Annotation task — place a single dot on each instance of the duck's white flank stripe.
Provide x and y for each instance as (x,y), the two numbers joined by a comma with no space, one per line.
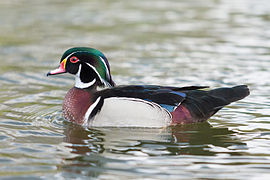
(130,112)
(89,111)
(153,104)
(79,83)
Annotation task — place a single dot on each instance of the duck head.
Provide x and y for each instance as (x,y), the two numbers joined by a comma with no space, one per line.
(90,67)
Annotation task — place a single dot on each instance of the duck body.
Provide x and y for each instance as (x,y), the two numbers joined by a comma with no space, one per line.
(133,105)
(146,106)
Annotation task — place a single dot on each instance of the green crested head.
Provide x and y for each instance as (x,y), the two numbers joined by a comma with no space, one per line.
(89,65)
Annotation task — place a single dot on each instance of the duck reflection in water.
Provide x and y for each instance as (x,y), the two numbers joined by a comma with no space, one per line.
(197,139)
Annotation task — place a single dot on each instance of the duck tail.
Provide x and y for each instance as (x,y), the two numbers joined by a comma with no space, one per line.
(230,95)
(201,105)
(216,99)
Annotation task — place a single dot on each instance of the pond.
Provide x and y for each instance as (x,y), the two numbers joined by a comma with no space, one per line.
(218,43)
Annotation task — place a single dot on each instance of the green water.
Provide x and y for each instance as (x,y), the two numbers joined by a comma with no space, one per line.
(211,42)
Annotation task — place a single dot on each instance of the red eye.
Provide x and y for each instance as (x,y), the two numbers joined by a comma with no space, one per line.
(74,59)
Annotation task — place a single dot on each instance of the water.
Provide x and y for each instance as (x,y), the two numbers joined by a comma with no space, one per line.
(211,42)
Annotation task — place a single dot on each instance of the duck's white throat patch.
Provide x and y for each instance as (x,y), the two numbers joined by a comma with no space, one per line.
(79,83)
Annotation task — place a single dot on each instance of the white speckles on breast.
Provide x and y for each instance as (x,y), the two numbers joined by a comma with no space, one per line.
(75,104)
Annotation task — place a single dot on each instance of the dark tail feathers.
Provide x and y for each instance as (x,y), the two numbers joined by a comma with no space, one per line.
(231,94)
(203,104)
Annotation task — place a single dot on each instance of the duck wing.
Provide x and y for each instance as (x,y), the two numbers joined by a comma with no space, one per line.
(166,96)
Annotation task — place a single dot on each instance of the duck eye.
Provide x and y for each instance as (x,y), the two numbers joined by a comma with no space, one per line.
(74,59)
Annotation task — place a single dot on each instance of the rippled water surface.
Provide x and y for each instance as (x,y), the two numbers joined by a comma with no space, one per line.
(210,42)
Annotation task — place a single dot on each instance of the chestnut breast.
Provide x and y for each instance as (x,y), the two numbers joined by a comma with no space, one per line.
(76,103)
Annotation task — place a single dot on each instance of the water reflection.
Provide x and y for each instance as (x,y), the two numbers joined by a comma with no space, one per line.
(203,139)
(83,141)
(89,144)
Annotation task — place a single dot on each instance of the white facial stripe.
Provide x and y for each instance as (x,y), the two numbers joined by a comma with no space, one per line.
(71,54)
(89,111)
(82,85)
(79,83)
(101,79)
(107,69)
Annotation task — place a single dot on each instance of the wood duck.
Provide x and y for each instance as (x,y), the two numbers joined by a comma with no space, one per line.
(133,105)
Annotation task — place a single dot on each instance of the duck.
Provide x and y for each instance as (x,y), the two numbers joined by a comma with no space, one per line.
(96,101)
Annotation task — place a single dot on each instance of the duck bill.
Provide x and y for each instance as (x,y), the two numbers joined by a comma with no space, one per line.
(61,69)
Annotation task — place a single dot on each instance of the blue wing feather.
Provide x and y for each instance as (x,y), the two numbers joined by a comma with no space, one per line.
(170,108)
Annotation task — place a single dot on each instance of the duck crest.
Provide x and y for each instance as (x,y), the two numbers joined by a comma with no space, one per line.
(93,60)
